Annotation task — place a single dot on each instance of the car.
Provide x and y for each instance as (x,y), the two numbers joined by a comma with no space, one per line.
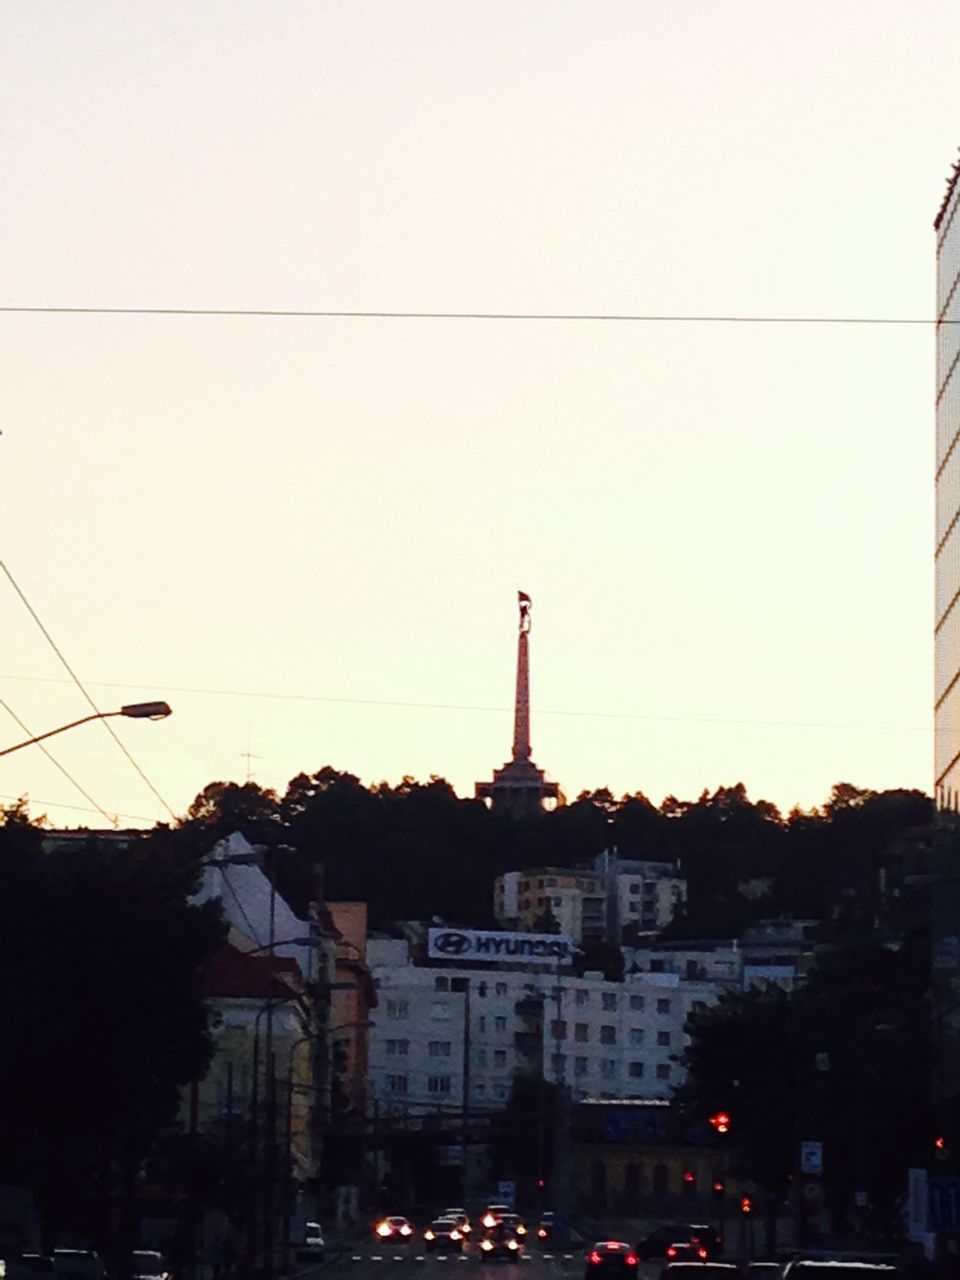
(686,1251)
(493,1212)
(459,1215)
(612,1256)
(547,1225)
(499,1242)
(78,1264)
(443,1233)
(656,1244)
(314,1246)
(842,1266)
(700,1271)
(394,1228)
(148,1264)
(514,1221)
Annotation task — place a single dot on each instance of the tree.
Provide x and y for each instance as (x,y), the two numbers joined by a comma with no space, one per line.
(101,1002)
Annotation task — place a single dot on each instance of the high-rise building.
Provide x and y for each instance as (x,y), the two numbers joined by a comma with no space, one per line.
(947,575)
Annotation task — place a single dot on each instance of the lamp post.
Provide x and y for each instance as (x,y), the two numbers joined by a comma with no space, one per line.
(134,711)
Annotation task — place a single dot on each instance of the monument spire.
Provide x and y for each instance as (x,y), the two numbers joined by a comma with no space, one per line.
(521,706)
(519,786)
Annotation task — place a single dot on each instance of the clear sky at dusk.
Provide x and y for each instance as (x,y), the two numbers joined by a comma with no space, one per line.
(307,534)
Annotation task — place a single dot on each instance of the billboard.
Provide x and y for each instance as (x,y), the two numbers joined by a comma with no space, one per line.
(489,944)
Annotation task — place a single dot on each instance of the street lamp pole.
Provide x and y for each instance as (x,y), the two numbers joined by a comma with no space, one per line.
(134,711)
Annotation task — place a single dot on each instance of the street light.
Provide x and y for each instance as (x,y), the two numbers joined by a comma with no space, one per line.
(134,711)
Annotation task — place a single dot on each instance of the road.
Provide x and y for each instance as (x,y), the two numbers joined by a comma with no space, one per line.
(410,1262)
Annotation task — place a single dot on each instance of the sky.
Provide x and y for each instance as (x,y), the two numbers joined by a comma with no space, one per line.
(306,533)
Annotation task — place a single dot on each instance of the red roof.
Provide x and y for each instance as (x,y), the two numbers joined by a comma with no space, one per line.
(233,973)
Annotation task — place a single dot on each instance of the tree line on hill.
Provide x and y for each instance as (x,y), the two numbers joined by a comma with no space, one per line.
(417,851)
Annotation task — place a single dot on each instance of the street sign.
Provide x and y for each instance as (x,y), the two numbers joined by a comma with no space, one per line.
(507,1193)
(944,1204)
(811,1157)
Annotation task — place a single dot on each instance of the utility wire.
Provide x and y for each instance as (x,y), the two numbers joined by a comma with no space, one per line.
(276,313)
(76,680)
(114,821)
(464,706)
(79,808)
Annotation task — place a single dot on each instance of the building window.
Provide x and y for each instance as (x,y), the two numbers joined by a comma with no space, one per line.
(636,1003)
(663,1005)
(559,1029)
(656,966)
(438,1084)
(557,993)
(398,1008)
(482,990)
(579,1066)
(608,1068)
(500,1087)
(634,888)
(581,1032)
(439,1011)
(481,1057)
(663,1071)
(558,1062)
(608,1035)
(634,907)
(501,988)
(636,1036)
(636,1070)
(582,997)
(500,1024)
(609,1000)
(439,1049)
(397,1048)
(441,984)
(482,1022)
(499,1057)
(663,1037)
(396,1084)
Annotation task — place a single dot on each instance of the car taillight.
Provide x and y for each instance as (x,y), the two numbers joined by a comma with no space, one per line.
(542,1232)
(454,1235)
(489,1220)
(428,1235)
(671,1252)
(701,1253)
(521,1230)
(512,1244)
(595,1258)
(486,1245)
(405,1230)
(632,1260)
(383,1229)
(466,1227)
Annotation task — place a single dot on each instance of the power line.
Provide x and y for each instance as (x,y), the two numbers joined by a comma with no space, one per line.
(76,680)
(475,707)
(53,760)
(274,313)
(78,808)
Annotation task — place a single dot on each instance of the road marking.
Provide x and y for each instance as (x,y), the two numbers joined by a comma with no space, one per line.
(418,1257)
(356,1257)
(398,1257)
(568,1257)
(376,1257)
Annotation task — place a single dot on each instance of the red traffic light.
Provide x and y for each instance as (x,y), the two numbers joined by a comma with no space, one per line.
(721,1122)
(719,1186)
(746,1205)
(689,1176)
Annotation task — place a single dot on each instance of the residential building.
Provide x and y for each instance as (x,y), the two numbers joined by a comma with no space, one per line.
(352,997)
(571,901)
(947,541)
(603,1039)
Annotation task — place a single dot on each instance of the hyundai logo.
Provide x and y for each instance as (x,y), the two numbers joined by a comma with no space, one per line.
(452,944)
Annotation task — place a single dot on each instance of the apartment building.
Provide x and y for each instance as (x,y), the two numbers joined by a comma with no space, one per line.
(444,1030)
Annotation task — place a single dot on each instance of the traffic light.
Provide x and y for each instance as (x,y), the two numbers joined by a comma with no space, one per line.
(721,1122)
(718,1188)
(541,1183)
(689,1177)
(746,1205)
(940,1147)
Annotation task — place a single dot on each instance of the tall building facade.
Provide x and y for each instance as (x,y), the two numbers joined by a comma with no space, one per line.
(947,564)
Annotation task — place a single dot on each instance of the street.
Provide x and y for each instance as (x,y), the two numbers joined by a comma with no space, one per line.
(372,1262)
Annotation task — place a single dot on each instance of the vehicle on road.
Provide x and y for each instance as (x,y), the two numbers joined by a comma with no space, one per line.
(313,1248)
(612,1257)
(78,1264)
(700,1271)
(499,1243)
(493,1212)
(686,1251)
(546,1225)
(393,1228)
(841,1267)
(459,1215)
(656,1244)
(443,1233)
(515,1222)
(148,1264)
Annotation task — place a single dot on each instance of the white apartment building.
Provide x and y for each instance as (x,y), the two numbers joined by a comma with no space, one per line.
(592,903)
(602,1039)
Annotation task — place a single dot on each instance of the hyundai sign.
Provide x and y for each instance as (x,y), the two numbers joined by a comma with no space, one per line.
(483,944)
